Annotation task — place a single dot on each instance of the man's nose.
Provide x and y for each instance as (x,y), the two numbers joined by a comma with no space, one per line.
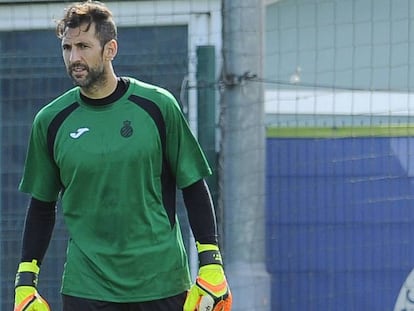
(74,55)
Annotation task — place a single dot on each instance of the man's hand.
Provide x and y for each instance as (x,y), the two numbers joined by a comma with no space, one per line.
(26,296)
(211,291)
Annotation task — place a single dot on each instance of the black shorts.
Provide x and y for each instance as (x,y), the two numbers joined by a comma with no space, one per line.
(174,303)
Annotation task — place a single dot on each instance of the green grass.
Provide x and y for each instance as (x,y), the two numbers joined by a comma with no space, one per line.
(338,132)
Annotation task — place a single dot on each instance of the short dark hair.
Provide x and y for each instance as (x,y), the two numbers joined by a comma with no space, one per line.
(87,13)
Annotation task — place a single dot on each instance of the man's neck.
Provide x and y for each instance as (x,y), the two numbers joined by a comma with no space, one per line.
(102,90)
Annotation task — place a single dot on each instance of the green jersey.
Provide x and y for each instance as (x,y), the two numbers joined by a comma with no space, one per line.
(115,167)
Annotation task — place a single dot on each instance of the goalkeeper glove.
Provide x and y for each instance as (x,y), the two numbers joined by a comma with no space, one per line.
(210,291)
(26,296)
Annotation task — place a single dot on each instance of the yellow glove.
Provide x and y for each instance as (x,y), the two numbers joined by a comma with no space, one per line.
(26,296)
(211,291)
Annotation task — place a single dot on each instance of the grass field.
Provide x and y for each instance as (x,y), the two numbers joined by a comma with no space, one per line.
(338,132)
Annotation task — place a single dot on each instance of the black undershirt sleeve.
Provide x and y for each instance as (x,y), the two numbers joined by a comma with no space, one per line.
(38,228)
(40,221)
(200,210)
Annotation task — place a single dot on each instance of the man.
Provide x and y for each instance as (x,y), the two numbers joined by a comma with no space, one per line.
(113,150)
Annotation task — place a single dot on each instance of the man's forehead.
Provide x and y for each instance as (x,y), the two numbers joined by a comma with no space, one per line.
(82,32)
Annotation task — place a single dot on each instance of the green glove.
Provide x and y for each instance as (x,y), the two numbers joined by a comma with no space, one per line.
(26,296)
(211,291)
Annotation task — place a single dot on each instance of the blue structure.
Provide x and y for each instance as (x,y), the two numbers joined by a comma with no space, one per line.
(340,222)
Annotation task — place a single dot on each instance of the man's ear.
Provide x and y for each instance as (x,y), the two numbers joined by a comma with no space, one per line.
(110,50)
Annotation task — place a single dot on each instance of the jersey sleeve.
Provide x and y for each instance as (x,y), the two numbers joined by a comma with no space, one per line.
(185,156)
(40,175)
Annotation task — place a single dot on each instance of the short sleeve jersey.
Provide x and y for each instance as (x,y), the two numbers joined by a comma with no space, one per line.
(115,168)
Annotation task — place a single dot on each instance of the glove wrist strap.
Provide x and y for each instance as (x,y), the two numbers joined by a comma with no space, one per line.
(209,257)
(26,279)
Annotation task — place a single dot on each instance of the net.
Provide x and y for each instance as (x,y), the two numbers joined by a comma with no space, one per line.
(339,153)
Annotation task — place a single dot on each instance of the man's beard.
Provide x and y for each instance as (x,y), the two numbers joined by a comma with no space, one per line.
(94,78)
